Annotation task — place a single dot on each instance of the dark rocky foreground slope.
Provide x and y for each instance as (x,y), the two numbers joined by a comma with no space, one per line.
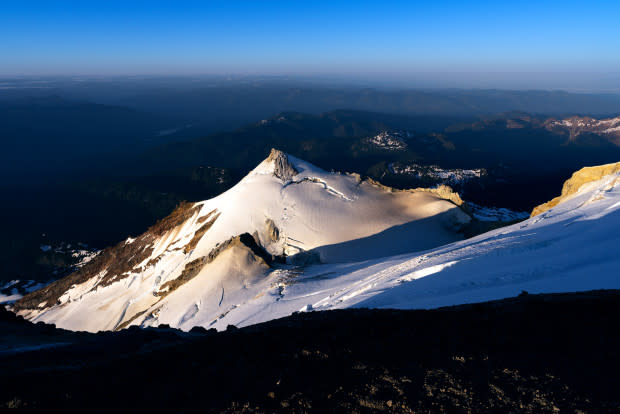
(534,353)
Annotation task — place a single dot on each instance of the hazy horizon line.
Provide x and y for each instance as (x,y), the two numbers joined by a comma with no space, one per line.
(567,81)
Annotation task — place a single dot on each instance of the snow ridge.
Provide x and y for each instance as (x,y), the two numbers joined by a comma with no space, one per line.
(340,242)
(292,211)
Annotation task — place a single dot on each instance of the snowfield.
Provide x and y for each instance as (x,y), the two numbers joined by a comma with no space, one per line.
(353,226)
(572,247)
(569,248)
(197,273)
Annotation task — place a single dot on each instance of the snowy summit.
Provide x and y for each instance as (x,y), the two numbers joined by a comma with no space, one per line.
(207,259)
(290,237)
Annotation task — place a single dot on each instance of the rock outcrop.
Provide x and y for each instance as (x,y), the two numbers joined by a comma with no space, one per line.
(283,168)
(573,184)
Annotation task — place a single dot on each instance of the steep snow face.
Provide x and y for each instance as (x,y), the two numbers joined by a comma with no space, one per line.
(204,261)
(320,212)
(568,248)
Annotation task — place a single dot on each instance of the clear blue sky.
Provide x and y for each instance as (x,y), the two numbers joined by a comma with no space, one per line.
(279,37)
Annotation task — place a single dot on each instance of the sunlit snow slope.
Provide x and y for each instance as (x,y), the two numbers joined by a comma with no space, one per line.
(571,247)
(234,257)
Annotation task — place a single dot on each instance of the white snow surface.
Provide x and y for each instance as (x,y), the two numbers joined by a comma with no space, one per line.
(572,247)
(337,217)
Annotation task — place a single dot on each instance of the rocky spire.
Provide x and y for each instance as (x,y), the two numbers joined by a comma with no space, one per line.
(283,168)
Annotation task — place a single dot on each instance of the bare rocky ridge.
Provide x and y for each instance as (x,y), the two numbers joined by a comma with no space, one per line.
(573,184)
(444,191)
(578,125)
(111,264)
(201,231)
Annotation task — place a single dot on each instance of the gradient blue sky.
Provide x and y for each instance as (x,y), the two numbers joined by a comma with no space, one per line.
(294,37)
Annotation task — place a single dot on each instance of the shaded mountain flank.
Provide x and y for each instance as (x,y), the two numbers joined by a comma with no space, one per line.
(532,353)
(578,179)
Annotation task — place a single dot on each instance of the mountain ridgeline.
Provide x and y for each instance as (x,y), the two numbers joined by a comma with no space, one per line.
(209,254)
(291,237)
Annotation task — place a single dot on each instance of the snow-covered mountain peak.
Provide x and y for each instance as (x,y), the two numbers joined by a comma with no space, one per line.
(208,255)
(347,242)
(291,236)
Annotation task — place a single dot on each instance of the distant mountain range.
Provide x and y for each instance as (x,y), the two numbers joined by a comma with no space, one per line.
(514,148)
(512,160)
(225,103)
